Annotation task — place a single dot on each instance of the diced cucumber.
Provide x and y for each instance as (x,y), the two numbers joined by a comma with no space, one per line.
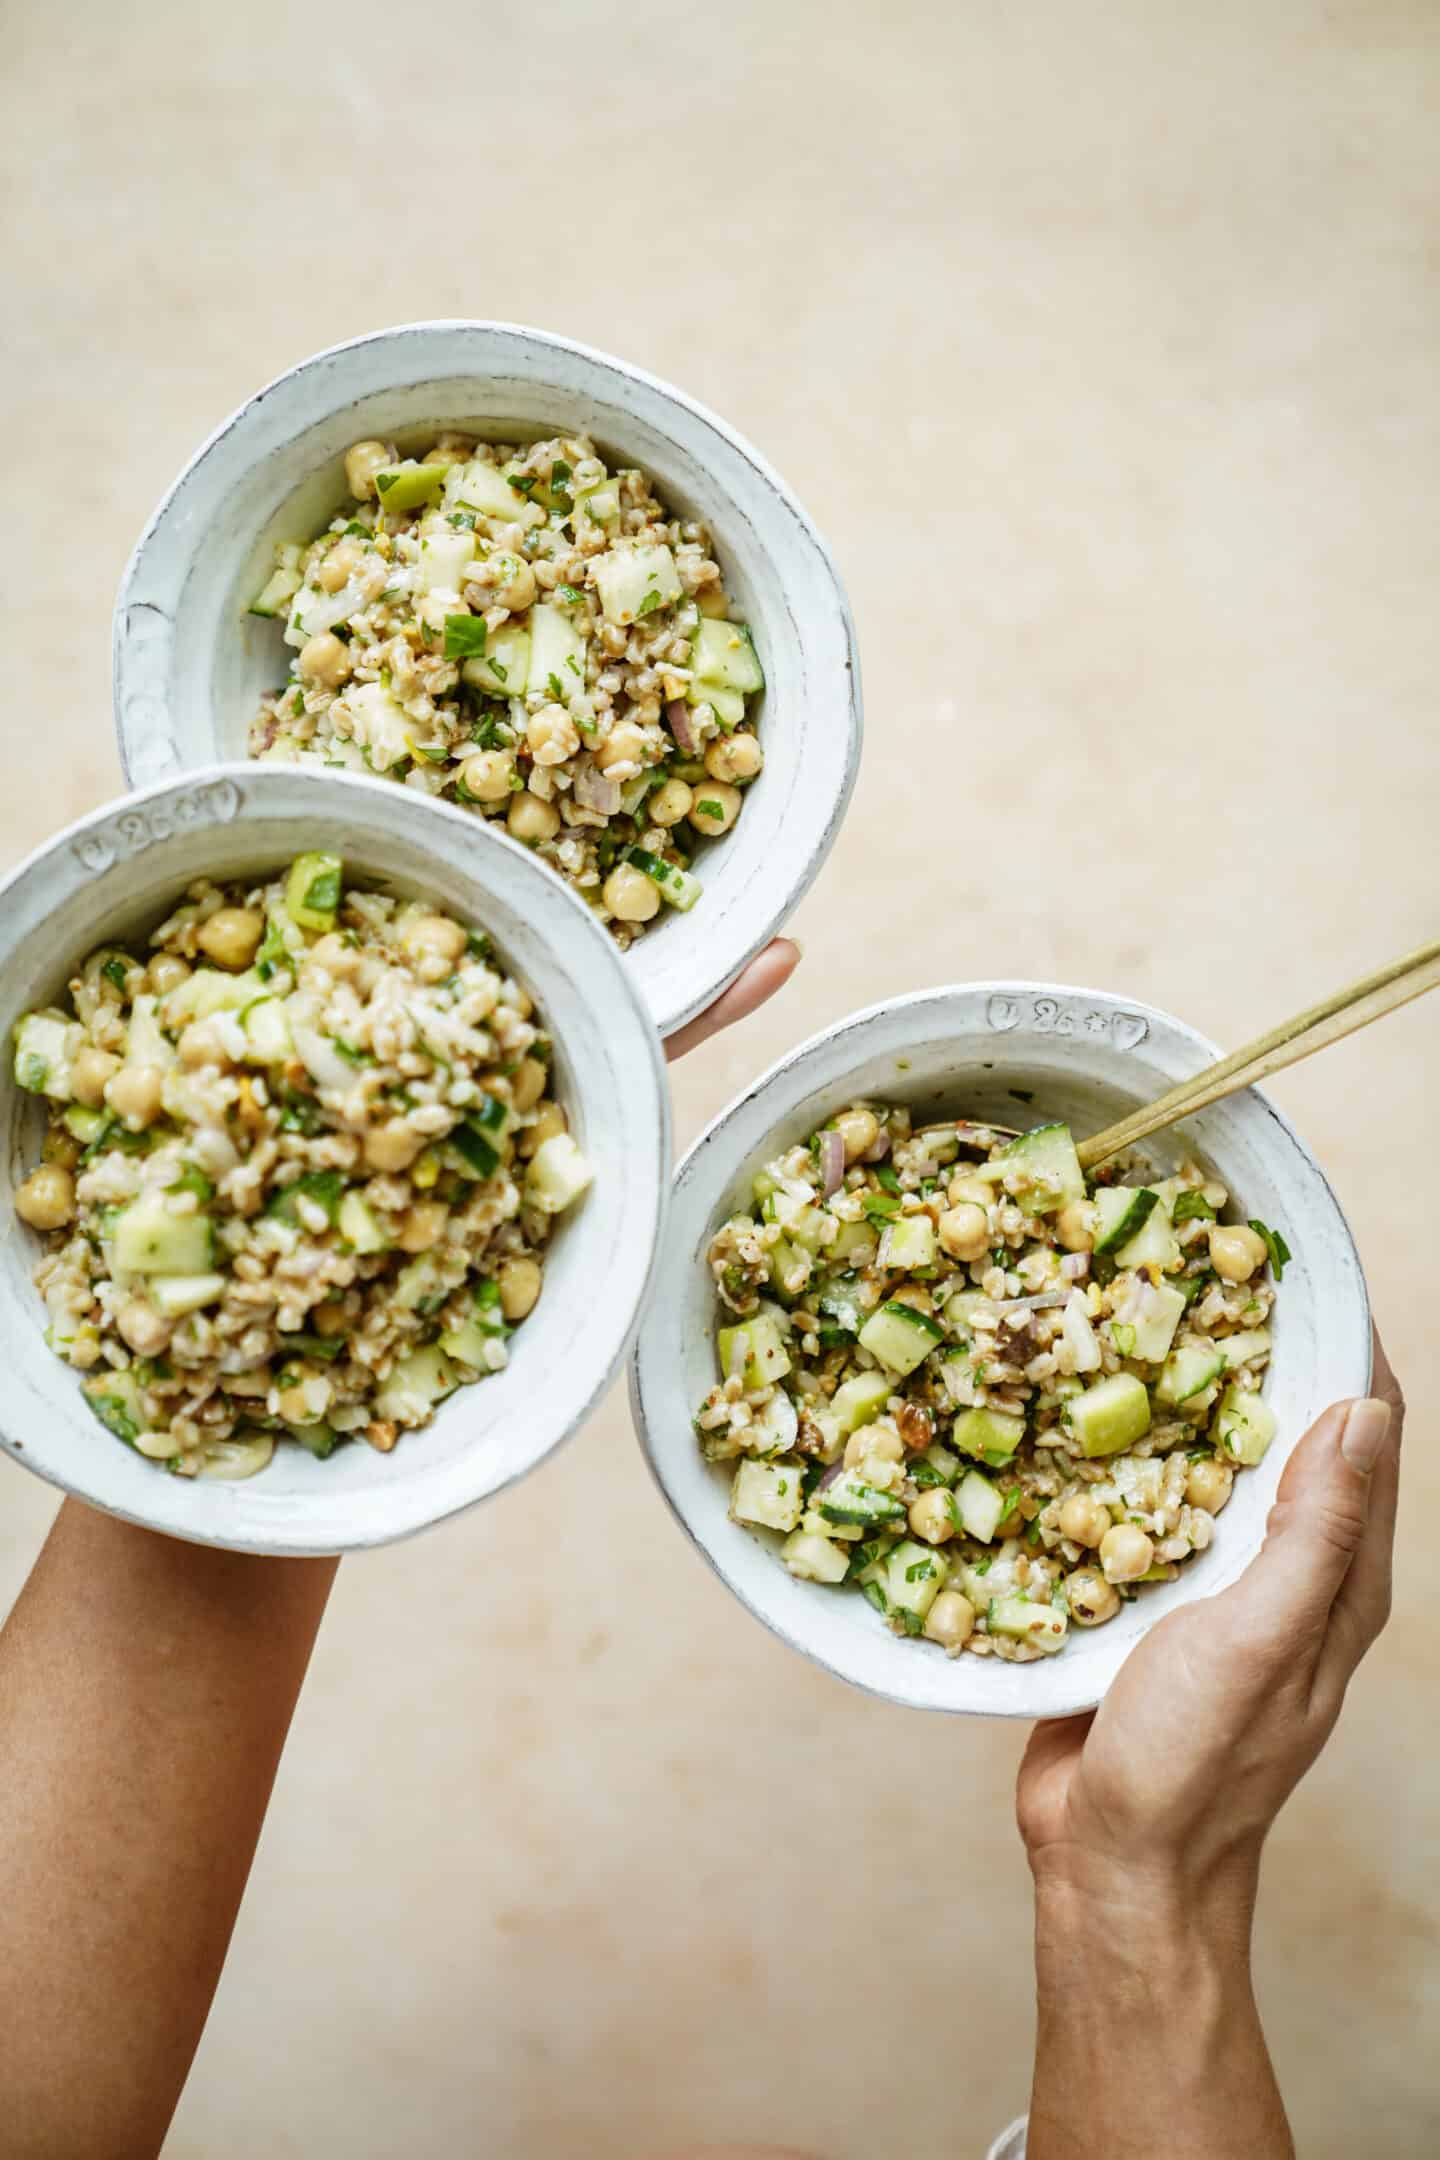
(1157,1315)
(680,887)
(1110,1415)
(909,1242)
(473,1341)
(855,1242)
(1048,1166)
(853,1499)
(380,724)
(771,1495)
(483,488)
(407,485)
(423,1283)
(557,651)
(1192,1369)
(416,1384)
(960,1309)
(635,580)
(1027,1620)
(476,1156)
(115,1399)
(282,584)
(914,1575)
(558,1174)
(150,1240)
(789,1267)
(807,1228)
(45,1047)
(980,1506)
(358,1226)
(317,1440)
(324,1189)
(1154,1244)
(445,557)
(268,1040)
(723,655)
(210,990)
(177,1294)
(1121,1210)
(312,891)
(899,1336)
(84,1125)
(503,669)
(1247,1346)
(990,1436)
(937,1464)
(728,706)
(243,1457)
(766,1358)
(774,1427)
(600,502)
(1245,1425)
(859,1400)
(812,1558)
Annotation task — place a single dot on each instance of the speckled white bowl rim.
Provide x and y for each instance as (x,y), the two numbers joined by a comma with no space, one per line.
(138,854)
(1028,1028)
(165,707)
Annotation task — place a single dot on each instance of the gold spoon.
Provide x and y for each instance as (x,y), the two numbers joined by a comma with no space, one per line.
(1369,999)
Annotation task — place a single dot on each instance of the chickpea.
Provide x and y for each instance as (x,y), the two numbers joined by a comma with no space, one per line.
(166,972)
(330,1317)
(325,660)
(1236,1251)
(734,757)
(60,1147)
(337,569)
(1126,1553)
(511,582)
(715,808)
(198,1045)
(1075,1225)
(332,953)
(669,803)
(932,1516)
(711,600)
(965,1186)
(46,1200)
(531,820)
(231,936)
(550,1119)
(519,1284)
(1209,1485)
(89,1073)
(133,1093)
(424,1226)
(859,1130)
(433,936)
(879,1442)
(1084,1520)
(362,461)
(552,735)
(527,1084)
(1092,1600)
(629,895)
(143,1328)
(626,744)
(965,1231)
(392,1147)
(950,1620)
(488,774)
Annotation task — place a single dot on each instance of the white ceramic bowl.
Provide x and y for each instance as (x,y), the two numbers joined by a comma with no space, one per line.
(1086,1057)
(119,872)
(190,665)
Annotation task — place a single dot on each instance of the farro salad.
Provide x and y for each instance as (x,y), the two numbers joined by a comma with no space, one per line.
(994,1397)
(522,631)
(302,1163)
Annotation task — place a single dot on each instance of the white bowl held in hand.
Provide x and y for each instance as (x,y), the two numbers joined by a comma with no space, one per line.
(1020,1054)
(190,665)
(114,876)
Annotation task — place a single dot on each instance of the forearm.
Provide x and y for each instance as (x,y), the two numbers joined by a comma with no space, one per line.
(1149,2039)
(146,1688)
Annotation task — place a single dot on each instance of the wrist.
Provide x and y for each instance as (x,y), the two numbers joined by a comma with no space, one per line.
(1146,1919)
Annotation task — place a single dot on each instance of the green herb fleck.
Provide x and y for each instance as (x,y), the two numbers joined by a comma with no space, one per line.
(464,637)
(1275,1245)
(1191,1206)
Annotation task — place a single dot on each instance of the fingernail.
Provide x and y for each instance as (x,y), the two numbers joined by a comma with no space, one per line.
(1364,1434)
(799,948)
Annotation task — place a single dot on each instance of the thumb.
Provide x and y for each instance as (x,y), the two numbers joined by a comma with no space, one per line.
(1315,1527)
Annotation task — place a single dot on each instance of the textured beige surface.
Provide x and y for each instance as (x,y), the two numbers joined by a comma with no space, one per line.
(1101,341)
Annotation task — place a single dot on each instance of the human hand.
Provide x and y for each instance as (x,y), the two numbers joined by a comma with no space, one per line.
(1172,1784)
(768,972)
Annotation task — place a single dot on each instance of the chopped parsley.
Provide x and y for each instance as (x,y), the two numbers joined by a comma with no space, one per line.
(193,1179)
(1275,1246)
(114,972)
(885,1176)
(465,637)
(708,807)
(568,595)
(650,602)
(1192,1207)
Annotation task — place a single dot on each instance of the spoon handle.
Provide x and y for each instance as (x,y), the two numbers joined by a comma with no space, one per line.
(1314,1029)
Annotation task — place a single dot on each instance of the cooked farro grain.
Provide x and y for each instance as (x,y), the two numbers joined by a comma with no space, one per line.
(301,1167)
(909,1306)
(521,631)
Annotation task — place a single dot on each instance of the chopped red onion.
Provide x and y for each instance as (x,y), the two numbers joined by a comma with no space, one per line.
(682,726)
(832,1163)
(830,1475)
(878,1149)
(1032,1304)
(1075,1266)
(596,791)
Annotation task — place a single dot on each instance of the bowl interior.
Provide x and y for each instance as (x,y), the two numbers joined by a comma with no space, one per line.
(191,664)
(117,876)
(1076,1055)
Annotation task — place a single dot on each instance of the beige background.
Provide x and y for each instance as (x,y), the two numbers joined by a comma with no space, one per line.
(1102,344)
